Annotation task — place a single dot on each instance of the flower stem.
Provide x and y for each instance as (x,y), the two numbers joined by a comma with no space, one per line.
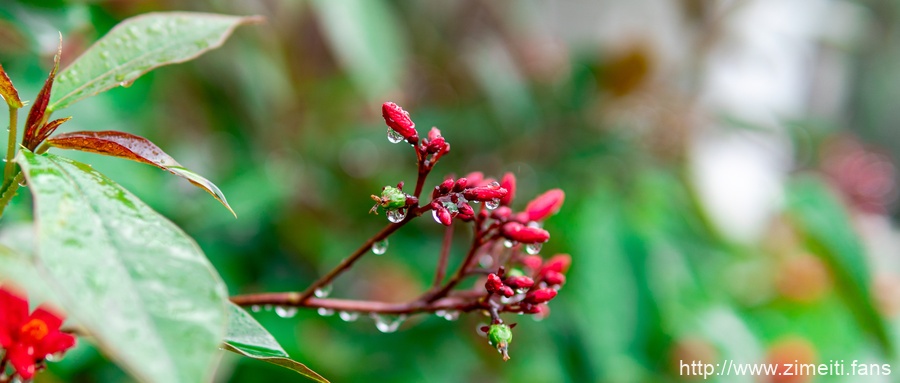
(11,143)
(462,301)
(441,271)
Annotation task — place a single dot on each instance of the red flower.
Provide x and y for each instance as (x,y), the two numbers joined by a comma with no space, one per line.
(508,182)
(519,282)
(540,296)
(545,205)
(398,119)
(559,263)
(554,278)
(493,284)
(28,339)
(484,193)
(518,232)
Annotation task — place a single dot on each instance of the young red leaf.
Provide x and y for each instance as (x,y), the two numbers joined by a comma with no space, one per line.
(135,148)
(39,108)
(8,91)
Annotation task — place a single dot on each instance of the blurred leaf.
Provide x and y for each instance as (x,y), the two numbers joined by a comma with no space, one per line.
(366,39)
(17,267)
(135,148)
(8,91)
(247,337)
(134,280)
(821,218)
(138,45)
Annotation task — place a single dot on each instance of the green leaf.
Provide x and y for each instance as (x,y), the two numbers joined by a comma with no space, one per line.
(248,338)
(825,224)
(135,148)
(137,283)
(138,45)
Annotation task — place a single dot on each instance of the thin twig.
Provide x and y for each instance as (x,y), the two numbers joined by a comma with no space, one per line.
(441,271)
(11,143)
(462,301)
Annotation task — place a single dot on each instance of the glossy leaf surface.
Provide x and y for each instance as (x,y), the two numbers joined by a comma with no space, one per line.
(248,338)
(135,148)
(136,46)
(138,284)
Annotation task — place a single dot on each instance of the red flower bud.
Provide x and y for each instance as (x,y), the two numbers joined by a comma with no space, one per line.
(508,182)
(444,216)
(493,284)
(545,205)
(523,234)
(540,295)
(398,119)
(501,213)
(532,262)
(475,178)
(460,184)
(434,133)
(519,282)
(554,278)
(445,186)
(484,193)
(507,291)
(466,209)
(435,146)
(559,263)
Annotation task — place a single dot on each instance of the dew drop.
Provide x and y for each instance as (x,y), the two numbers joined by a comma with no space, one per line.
(380,247)
(267,307)
(508,243)
(486,260)
(494,184)
(348,316)
(434,214)
(478,330)
(396,215)
(285,312)
(325,312)
(535,224)
(533,248)
(55,357)
(451,315)
(324,291)
(388,323)
(492,204)
(255,308)
(393,136)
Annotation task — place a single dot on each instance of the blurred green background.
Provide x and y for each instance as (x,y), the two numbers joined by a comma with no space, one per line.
(727,167)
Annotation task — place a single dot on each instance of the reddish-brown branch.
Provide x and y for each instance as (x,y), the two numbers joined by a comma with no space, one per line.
(461,301)
(461,273)
(441,271)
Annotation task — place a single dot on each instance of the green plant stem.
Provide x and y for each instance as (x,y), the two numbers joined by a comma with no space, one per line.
(11,143)
(9,190)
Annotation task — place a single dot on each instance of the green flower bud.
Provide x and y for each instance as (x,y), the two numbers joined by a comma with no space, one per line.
(499,335)
(392,198)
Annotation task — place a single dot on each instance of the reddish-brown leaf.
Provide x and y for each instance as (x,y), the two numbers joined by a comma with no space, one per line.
(8,91)
(39,108)
(135,148)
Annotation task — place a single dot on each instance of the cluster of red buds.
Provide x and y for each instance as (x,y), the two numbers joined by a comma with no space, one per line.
(505,246)
(28,340)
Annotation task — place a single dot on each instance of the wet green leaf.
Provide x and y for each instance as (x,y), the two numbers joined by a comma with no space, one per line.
(135,148)
(138,45)
(138,284)
(248,338)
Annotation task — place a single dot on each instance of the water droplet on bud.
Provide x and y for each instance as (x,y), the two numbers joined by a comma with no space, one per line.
(393,136)
(255,308)
(324,291)
(285,312)
(533,248)
(451,315)
(434,214)
(396,215)
(380,247)
(388,323)
(348,316)
(492,204)
(507,243)
(267,307)
(325,312)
